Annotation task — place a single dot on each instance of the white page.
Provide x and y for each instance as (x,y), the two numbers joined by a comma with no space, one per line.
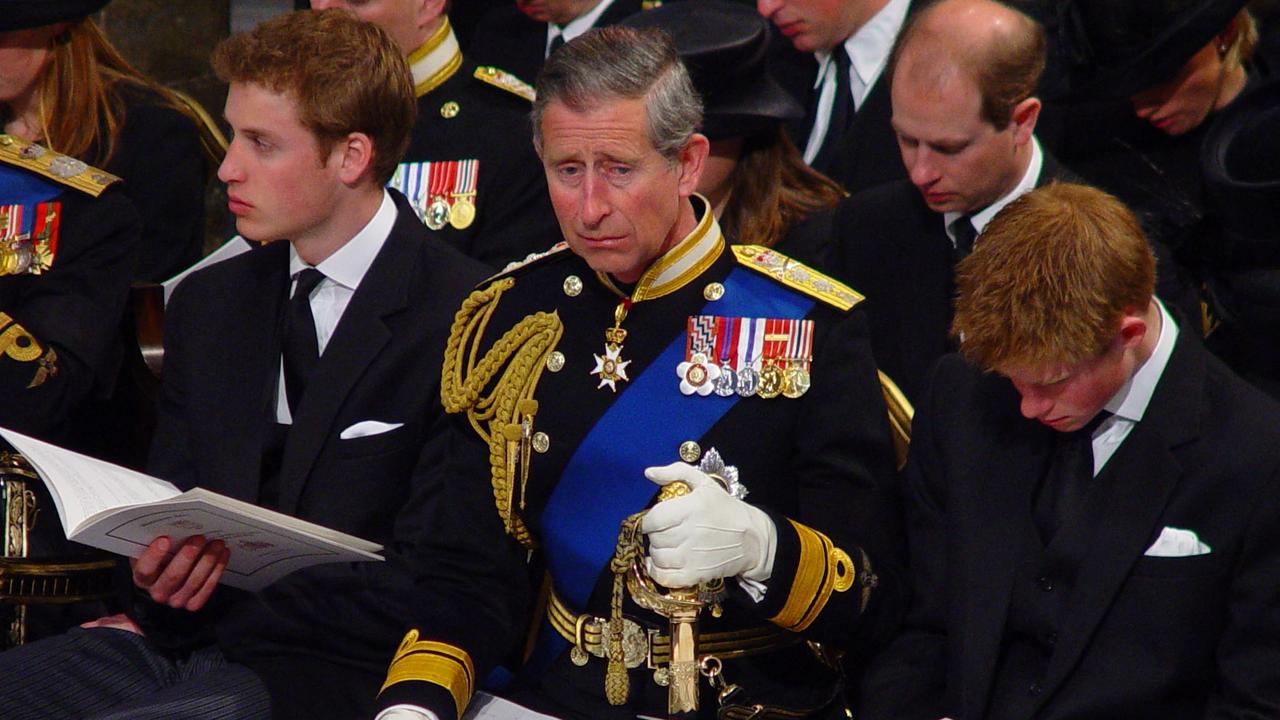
(82,486)
(490,707)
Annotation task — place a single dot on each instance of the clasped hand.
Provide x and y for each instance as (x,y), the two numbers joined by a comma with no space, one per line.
(707,534)
(184,577)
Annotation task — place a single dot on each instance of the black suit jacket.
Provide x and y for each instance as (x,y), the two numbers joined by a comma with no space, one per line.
(896,251)
(868,154)
(1141,636)
(332,628)
(517,43)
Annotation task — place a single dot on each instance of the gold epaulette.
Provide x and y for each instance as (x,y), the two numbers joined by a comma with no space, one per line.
(496,390)
(529,259)
(437,663)
(797,276)
(54,166)
(650,4)
(505,80)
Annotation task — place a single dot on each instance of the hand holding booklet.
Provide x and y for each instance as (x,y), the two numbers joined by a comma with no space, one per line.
(121,511)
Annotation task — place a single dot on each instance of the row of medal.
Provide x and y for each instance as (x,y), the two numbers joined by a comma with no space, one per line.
(28,238)
(442,192)
(762,357)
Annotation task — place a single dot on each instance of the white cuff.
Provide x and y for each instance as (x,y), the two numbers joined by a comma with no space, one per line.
(406,712)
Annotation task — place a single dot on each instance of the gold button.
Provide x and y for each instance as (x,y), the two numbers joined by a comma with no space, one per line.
(713,291)
(555,361)
(690,451)
(449,110)
(541,442)
(572,285)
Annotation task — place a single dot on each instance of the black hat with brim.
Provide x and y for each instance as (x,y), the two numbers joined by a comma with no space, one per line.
(1115,48)
(725,47)
(22,14)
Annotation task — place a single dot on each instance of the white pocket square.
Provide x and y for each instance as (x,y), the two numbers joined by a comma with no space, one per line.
(365,428)
(1176,542)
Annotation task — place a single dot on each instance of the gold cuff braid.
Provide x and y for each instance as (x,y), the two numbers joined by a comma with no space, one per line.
(437,663)
(823,569)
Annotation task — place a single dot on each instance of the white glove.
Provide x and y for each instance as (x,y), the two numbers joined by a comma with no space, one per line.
(406,712)
(707,534)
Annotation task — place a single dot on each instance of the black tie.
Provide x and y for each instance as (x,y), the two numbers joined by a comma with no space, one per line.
(842,112)
(1063,489)
(965,233)
(301,350)
(556,42)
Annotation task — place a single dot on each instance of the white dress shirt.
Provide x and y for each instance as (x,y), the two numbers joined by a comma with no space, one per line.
(868,50)
(343,271)
(1130,402)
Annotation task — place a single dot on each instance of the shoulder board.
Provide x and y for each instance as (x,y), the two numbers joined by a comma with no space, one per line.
(650,4)
(504,80)
(797,276)
(529,259)
(54,166)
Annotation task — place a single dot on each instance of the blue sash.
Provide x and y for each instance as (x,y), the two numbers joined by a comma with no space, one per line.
(604,481)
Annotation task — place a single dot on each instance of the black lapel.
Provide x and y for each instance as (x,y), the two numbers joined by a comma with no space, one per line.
(1144,470)
(359,337)
(244,410)
(1001,482)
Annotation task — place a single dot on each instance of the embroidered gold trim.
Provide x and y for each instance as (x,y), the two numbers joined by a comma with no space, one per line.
(797,276)
(54,166)
(504,80)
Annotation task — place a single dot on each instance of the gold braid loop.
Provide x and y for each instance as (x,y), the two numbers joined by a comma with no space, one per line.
(625,553)
(502,416)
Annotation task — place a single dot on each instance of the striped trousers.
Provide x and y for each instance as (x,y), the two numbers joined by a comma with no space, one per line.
(111,674)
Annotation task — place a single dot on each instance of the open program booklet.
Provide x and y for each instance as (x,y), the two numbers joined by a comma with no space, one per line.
(121,511)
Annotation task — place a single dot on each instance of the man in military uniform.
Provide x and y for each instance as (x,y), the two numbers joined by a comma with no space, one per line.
(644,352)
(470,170)
(65,262)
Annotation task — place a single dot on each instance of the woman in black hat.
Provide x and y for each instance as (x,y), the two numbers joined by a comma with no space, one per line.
(756,180)
(62,84)
(1148,77)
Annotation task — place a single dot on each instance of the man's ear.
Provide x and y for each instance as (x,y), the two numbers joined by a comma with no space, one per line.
(1133,328)
(356,155)
(1025,115)
(692,159)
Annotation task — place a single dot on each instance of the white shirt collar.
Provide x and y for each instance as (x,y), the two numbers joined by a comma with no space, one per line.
(1131,400)
(348,264)
(1028,183)
(576,26)
(868,48)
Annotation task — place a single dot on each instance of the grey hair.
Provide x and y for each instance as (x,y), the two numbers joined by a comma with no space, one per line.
(622,63)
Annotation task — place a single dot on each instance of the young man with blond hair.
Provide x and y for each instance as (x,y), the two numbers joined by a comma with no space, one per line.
(1093,501)
(302,376)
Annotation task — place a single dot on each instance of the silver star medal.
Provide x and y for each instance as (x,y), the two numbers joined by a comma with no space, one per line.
(727,475)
